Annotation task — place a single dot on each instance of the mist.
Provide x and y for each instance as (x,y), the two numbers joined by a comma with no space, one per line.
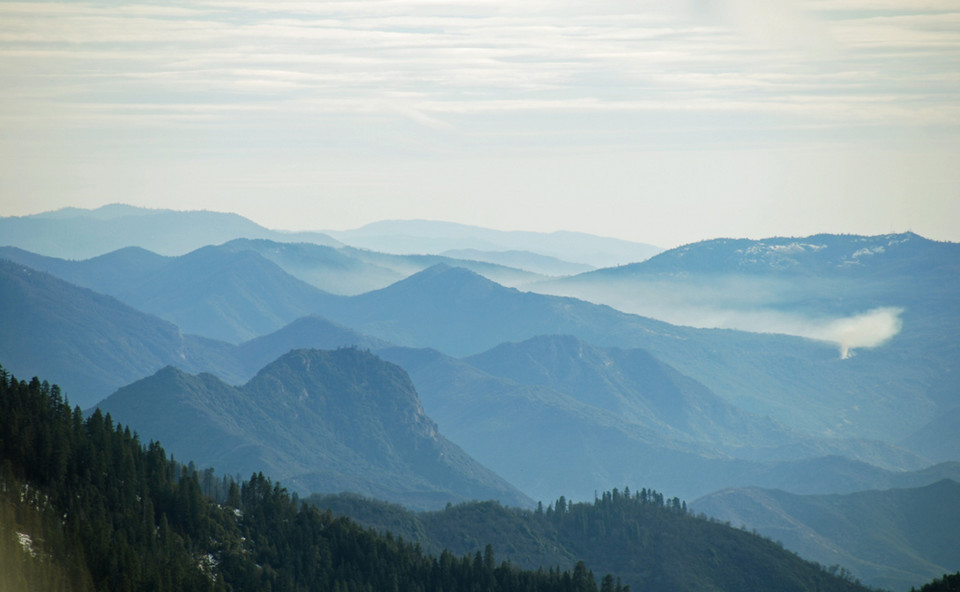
(757,305)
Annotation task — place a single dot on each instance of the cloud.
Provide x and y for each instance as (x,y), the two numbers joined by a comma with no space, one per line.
(615,56)
(624,81)
(783,24)
(869,329)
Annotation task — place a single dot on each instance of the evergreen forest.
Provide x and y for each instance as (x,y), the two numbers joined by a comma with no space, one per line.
(85,506)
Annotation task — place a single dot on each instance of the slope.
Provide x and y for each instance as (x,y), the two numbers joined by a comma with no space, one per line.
(650,542)
(875,395)
(898,294)
(632,384)
(892,539)
(224,294)
(319,420)
(545,441)
(86,506)
(87,342)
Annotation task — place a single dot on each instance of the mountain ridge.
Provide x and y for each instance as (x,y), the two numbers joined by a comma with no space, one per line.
(319,420)
(894,538)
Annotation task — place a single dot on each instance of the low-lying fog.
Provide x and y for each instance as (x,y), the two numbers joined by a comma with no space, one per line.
(746,304)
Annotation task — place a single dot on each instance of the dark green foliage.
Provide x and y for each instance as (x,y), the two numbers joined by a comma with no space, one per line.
(648,539)
(100,511)
(948,583)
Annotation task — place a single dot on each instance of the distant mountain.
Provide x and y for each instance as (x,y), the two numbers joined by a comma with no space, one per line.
(939,440)
(310,332)
(816,275)
(74,233)
(350,271)
(93,344)
(632,384)
(875,394)
(432,237)
(462,313)
(542,264)
(536,437)
(220,293)
(87,342)
(893,539)
(331,421)
(899,294)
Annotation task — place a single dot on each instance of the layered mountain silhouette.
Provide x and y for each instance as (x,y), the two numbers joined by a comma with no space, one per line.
(349,271)
(719,281)
(341,420)
(630,383)
(537,436)
(92,344)
(541,264)
(458,311)
(75,233)
(872,395)
(87,342)
(219,293)
(428,236)
(839,378)
(891,539)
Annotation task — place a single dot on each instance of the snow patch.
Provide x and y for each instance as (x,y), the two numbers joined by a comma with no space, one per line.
(26,543)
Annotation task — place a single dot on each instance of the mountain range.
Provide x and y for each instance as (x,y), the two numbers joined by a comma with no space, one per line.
(429,236)
(341,420)
(84,502)
(535,435)
(844,382)
(75,233)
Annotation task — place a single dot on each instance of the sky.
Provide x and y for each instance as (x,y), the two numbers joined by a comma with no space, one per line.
(657,121)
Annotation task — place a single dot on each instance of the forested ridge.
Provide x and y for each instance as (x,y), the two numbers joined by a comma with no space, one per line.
(948,583)
(650,541)
(84,506)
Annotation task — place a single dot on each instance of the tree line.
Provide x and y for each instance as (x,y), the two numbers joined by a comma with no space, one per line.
(85,506)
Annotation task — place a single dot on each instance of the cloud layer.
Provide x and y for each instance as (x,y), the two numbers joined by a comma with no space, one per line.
(391,84)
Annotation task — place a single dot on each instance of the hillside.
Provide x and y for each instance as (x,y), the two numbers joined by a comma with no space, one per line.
(882,394)
(85,506)
(215,292)
(330,421)
(309,332)
(536,437)
(88,342)
(886,393)
(632,384)
(650,542)
(804,286)
(893,539)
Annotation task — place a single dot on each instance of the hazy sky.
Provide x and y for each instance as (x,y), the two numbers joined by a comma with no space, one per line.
(657,121)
